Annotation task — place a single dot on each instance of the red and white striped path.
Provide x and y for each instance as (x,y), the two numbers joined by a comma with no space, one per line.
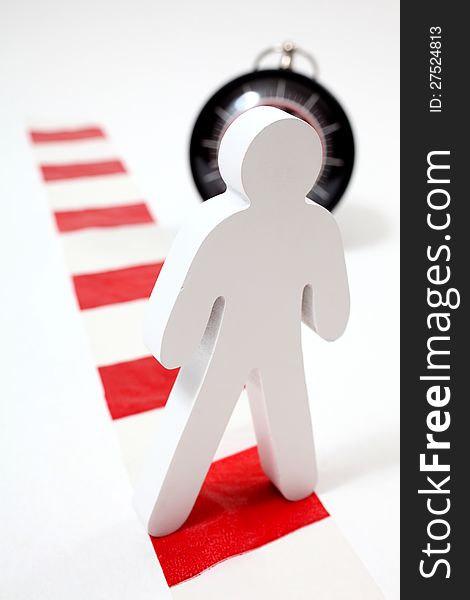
(242,540)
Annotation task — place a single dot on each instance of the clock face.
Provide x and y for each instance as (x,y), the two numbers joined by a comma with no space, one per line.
(292,92)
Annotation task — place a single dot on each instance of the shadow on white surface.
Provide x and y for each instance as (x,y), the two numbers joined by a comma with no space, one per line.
(361,225)
(377,453)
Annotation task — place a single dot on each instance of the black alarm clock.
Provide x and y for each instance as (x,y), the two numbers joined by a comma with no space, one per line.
(291,91)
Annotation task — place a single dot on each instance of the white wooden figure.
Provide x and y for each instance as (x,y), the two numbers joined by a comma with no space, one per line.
(227,306)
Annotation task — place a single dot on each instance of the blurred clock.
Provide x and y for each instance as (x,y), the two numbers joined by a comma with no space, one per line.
(292,92)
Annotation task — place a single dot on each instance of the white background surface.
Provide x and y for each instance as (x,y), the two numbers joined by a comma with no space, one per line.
(143,69)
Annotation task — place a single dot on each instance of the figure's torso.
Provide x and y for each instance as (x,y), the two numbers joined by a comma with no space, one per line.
(260,263)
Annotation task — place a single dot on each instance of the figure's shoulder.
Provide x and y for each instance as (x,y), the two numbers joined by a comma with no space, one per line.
(217,211)
(224,205)
(213,215)
(319,217)
(315,208)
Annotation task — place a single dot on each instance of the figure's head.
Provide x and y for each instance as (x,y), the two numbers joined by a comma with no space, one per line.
(267,155)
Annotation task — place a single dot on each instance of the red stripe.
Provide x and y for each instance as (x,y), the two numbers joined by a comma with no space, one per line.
(120,285)
(72,220)
(66,135)
(238,510)
(72,171)
(136,386)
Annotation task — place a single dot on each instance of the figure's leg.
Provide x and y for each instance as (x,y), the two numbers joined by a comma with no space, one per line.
(281,415)
(193,423)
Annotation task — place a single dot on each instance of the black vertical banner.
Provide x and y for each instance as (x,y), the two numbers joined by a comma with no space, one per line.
(435,259)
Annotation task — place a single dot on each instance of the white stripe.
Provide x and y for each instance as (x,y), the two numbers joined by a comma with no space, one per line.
(92,192)
(59,153)
(137,432)
(135,435)
(115,332)
(44,123)
(312,562)
(94,250)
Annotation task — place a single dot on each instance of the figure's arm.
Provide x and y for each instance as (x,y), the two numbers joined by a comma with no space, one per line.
(189,283)
(325,306)
(180,305)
